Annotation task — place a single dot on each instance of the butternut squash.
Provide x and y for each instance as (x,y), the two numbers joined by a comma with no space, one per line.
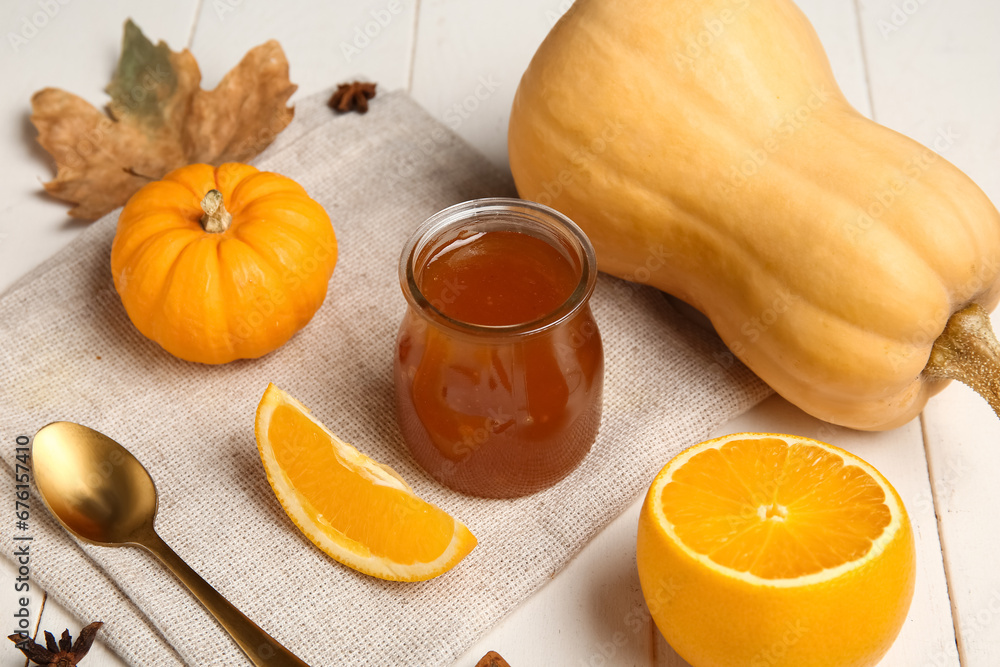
(828,251)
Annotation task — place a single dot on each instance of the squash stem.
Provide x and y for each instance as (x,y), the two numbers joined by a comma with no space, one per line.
(216,219)
(967,350)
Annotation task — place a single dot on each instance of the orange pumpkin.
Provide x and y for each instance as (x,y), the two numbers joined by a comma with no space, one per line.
(222,263)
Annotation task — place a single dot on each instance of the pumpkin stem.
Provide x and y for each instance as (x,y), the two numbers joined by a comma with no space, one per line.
(216,219)
(967,350)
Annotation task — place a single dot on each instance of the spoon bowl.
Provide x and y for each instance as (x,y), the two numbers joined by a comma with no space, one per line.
(102,494)
(93,486)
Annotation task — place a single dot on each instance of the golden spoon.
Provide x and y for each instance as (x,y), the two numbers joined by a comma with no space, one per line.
(102,494)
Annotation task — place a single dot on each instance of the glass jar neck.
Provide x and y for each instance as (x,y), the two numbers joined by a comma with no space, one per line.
(478,216)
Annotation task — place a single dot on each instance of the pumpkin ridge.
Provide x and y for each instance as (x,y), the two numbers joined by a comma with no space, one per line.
(303,211)
(273,263)
(705,222)
(153,196)
(922,185)
(754,258)
(159,322)
(162,222)
(248,190)
(277,223)
(696,213)
(900,232)
(190,175)
(782,164)
(227,312)
(278,228)
(237,250)
(227,177)
(803,376)
(136,258)
(214,309)
(800,377)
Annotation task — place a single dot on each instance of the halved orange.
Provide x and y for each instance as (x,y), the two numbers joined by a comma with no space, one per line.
(358,511)
(768,549)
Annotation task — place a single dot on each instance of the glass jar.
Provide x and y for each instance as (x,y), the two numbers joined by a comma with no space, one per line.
(492,404)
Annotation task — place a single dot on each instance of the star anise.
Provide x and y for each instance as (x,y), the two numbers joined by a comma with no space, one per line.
(352,96)
(492,659)
(64,653)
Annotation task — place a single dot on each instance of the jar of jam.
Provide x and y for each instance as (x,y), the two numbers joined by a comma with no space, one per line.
(499,365)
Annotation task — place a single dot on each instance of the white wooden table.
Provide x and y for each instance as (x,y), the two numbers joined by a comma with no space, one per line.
(919,66)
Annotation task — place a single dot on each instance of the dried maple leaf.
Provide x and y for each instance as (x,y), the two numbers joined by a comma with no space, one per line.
(64,653)
(158,119)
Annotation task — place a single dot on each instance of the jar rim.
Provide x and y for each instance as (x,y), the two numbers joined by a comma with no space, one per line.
(508,209)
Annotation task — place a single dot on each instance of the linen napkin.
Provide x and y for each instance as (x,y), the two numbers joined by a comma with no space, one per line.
(69,352)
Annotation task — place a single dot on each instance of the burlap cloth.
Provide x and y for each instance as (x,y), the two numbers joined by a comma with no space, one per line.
(68,352)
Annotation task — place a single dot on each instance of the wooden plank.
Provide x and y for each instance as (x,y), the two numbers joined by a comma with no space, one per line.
(71,46)
(935,68)
(326,42)
(468,60)
(962,437)
(591,614)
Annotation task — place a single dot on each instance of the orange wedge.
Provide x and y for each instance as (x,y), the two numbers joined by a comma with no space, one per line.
(358,511)
(765,549)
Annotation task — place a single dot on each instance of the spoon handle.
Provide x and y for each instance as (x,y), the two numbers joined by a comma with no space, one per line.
(262,649)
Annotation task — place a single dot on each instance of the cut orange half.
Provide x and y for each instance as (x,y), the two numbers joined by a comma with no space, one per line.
(358,511)
(767,549)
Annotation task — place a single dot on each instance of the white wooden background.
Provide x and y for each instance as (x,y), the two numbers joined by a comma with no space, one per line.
(919,66)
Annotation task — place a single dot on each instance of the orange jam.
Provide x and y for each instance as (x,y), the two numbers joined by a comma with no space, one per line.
(498,278)
(499,363)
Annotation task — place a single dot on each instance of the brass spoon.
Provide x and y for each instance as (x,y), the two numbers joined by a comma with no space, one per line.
(102,494)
